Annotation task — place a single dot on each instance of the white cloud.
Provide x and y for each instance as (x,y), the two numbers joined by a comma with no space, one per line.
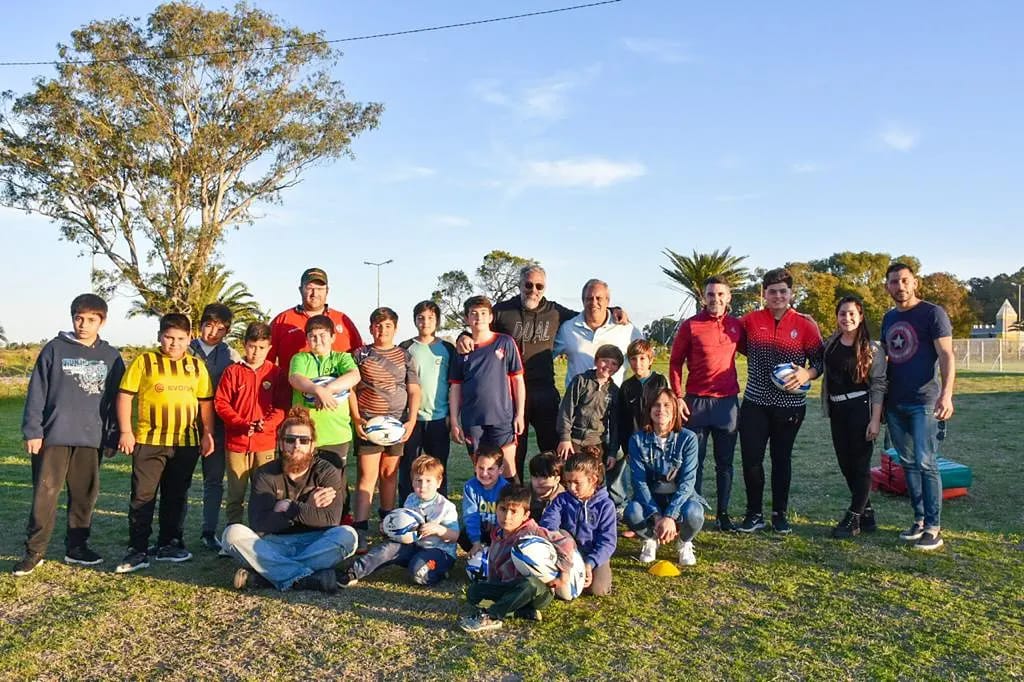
(899,137)
(450,220)
(593,172)
(545,99)
(806,167)
(667,51)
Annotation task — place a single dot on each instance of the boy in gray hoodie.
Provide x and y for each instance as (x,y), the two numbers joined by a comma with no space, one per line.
(69,417)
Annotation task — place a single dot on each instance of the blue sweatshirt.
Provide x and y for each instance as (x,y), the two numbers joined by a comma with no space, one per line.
(591,522)
(71,394)
(479,508)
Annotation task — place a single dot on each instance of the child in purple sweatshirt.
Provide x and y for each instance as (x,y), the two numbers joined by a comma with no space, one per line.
(587,512)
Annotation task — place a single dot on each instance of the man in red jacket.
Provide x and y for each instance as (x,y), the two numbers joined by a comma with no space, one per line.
(288,329)
(248,401)
(707,344)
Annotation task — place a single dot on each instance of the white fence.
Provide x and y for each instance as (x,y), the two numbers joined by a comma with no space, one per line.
(989,355)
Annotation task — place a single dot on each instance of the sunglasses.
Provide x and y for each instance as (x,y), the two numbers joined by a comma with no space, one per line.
(530,286)
(301,440)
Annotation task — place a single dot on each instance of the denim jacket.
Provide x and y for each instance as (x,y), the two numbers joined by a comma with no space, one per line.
(652,465)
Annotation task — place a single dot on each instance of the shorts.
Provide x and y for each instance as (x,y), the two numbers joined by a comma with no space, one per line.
(489,436)
(365,447)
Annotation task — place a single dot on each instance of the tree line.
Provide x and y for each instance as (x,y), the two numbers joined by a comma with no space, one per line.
(818,285)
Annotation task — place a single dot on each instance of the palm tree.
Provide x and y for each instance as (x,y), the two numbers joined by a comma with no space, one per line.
(213,287)
(688,273)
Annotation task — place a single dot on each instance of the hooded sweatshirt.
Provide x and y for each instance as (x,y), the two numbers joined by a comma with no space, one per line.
(591,522)
(501,568)
(72,392)
(244,395)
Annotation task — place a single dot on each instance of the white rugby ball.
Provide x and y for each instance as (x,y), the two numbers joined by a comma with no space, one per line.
(310,398)
(476,566)
(781,373)
(572,585)
(535,557)
(382,430)
(403,525)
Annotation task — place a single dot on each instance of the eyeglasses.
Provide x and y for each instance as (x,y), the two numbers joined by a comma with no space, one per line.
(311,289)
(530,286)
(301,440)
(941,433)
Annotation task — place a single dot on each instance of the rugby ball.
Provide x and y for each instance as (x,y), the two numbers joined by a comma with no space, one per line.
(383,430)
(476,566)
(535,557)
(781,373)
(403,525)
(572,584)
(310,398)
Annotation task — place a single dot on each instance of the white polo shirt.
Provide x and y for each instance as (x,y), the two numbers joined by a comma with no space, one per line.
(579,343)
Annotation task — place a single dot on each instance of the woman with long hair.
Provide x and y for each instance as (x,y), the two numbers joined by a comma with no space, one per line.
(663,466)
(851,397)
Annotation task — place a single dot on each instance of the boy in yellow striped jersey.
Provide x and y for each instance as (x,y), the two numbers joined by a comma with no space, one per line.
(174,393)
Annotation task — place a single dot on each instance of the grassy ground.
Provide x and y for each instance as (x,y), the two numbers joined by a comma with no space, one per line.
(754,607)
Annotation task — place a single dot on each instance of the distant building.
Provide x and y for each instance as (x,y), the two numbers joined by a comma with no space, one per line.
(1005,318)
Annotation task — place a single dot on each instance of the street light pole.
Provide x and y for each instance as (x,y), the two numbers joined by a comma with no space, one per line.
(378,266)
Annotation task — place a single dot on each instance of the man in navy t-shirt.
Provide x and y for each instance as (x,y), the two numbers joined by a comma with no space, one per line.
(917,334)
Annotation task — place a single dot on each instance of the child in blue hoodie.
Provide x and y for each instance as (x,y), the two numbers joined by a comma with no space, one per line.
(480,500)
(587,512)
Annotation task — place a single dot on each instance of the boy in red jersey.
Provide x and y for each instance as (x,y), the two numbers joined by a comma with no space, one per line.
(775,334)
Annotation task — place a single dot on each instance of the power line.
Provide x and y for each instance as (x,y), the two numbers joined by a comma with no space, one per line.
(372,36)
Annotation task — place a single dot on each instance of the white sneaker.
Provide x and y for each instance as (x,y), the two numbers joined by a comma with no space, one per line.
(686,555)
(649,551)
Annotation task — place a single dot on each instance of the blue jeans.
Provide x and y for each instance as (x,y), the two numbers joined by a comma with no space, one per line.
(284,559)
(426,566)
(689,523)
(618,483)
(913,429)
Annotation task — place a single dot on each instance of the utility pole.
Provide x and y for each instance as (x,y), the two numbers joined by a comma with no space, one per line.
(378,266)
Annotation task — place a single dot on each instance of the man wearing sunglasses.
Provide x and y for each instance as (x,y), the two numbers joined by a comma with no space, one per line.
(533,321)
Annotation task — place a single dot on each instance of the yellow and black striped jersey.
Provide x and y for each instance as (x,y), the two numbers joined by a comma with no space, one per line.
(169,392)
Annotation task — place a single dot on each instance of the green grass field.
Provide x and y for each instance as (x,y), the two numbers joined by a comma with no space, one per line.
(802,607)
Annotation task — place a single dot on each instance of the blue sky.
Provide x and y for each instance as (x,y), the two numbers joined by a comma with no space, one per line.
(591,140)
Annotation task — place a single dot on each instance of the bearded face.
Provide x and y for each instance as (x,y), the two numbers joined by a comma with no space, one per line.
(297,448)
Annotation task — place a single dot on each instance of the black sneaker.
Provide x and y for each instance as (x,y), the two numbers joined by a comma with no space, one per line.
(930,541)
(173,551)
(210,541)
(28,564)
(530,613)
(779,523)
(347,580)
(83,556)
(752,522)
(848,527)
(133,561)
(914,533)
(246,580)
(324,580)
(868,524)
(724,524)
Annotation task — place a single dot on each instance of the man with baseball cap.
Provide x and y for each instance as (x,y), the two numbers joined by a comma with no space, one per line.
(288,329)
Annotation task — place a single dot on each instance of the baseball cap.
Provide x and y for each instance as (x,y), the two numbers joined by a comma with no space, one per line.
(313,275)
